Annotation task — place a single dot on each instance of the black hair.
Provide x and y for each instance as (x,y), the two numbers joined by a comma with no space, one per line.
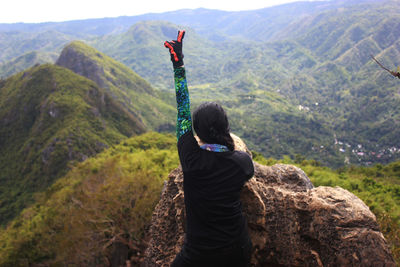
(211,125)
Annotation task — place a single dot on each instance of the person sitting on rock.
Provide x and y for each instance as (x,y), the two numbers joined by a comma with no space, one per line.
(214,174)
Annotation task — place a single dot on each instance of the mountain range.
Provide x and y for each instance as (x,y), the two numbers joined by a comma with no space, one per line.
(297,82)
(312,58)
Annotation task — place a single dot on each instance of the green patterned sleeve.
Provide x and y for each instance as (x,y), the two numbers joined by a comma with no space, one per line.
(184,119)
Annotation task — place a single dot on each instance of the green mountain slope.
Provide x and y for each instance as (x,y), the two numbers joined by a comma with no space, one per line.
(98,212)
(242,82)
(322,67)
(26,61)
(359,99)
(124,85)
(51,117)
(141,48)
(15,43)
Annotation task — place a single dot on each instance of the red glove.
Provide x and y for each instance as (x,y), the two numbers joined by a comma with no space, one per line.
(175,49)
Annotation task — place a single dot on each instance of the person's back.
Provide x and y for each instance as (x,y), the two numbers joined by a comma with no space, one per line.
(212,185)
(214,174)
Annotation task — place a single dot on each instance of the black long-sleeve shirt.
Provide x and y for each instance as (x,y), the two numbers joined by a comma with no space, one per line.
(212,185)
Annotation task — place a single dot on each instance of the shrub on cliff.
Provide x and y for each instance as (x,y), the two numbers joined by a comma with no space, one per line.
(103,203)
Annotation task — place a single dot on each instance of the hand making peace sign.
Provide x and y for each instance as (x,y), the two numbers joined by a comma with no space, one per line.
(175,49)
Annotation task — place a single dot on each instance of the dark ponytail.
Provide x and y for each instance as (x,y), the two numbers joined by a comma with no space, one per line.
(226,140)
(211,125)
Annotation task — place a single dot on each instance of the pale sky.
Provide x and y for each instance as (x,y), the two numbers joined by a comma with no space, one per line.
(55,10)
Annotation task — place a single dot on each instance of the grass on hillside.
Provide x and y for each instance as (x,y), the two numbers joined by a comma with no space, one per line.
(109,199)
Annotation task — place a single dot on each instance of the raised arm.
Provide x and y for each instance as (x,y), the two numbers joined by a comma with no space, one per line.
(184,119)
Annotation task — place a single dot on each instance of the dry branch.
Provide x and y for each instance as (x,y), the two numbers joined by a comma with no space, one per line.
(394,73)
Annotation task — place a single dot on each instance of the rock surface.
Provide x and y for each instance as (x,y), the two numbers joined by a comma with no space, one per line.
(291,223)
(71,59)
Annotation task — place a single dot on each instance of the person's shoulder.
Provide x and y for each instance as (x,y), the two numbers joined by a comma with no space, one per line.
(189,151)
(241,155)
(187,139)
(244,161)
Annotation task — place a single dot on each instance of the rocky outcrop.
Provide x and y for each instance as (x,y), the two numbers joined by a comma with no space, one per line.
(71,58)
(291,222)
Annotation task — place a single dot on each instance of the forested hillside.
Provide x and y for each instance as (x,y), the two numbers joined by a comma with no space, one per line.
(332,80)
(16,43)
(297,81)
(297,78)
(98,213)
(124,85)
(50,118)
(26,61)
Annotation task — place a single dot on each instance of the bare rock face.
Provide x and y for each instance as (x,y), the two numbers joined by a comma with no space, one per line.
(83,65)
(321,226)
(291,223)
